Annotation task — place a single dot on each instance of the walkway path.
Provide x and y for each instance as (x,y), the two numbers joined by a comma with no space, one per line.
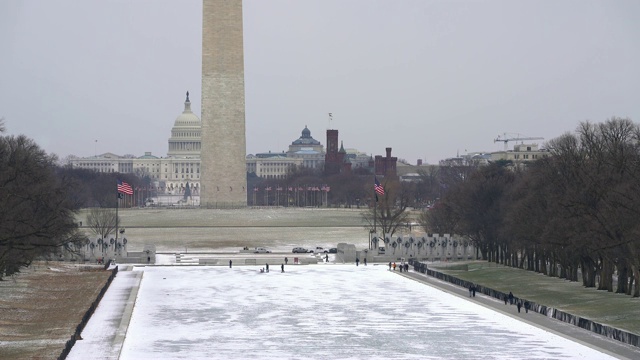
(601,343)
(105,332)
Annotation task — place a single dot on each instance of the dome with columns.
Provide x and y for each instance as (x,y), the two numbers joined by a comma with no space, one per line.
(306,138)
(185,140)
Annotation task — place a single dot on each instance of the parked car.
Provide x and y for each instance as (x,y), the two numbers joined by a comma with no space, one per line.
(261,250)
(333,250)
(318,250)
(381,250)
(299,250)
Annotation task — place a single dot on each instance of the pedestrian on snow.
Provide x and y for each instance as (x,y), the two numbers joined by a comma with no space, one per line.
(506,298)
(389,265)
(282,268)
(406,267)
(230,262)
(286,260)
(470,290)
(326,258)
(148,259)
(357,261)
(510,298)
(474,290)
(394,266)
(519,305)
(267,267)
(526,306)
(365,261)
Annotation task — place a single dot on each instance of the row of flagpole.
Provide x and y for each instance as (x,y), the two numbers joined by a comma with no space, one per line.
(296,191)
(126,195)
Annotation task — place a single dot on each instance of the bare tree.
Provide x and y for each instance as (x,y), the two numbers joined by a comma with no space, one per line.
(439,219)
(390,211)
(37,213)
(102,221)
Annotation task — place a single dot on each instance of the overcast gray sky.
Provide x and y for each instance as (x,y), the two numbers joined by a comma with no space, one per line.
(427,78)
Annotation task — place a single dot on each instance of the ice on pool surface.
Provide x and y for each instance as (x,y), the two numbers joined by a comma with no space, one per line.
(322,312)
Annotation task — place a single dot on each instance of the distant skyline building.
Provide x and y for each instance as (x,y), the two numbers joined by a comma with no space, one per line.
(185,140)
(169,175)
(307,148)
(223,180)
(386,165)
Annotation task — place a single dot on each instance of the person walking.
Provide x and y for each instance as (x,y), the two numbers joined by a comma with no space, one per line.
(282,268)
(365,261)
(357,261)
(230,263)
(526,306)
(389,265)
(470,289)
(394,266)
(286,260)
(506,298)
(519,305)
(326,258)
(267,267)
(510,298)
(474,290)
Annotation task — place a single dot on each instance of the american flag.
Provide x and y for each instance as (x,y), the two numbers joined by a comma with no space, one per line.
(125,188)
(379,189)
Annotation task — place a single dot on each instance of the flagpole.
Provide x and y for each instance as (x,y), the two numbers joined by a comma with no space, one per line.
(375,213)
(117,205)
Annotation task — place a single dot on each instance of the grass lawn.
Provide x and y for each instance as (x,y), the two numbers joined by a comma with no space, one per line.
(41,307)
(616,310)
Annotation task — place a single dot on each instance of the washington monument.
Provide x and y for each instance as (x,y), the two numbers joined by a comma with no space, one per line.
(224,173)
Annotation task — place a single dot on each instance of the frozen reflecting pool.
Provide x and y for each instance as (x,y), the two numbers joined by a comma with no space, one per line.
(322,312)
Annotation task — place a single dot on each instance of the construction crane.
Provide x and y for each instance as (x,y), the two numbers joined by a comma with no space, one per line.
(505,139)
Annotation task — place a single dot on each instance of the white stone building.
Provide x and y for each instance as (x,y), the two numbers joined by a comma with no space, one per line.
(170,175)
(521,154)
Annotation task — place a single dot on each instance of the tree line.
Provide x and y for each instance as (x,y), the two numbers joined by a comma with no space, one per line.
(39,201)
(573,214)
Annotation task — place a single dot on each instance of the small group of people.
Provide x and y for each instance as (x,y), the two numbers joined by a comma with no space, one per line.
(357,260)
(526,305)
(519,303)
(472,290)
(266,268)
(402,267)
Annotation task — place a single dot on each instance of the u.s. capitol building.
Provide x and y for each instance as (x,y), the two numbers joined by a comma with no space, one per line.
(181,167)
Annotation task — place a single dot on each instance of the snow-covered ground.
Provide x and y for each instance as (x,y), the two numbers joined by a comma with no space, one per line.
(322,311)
